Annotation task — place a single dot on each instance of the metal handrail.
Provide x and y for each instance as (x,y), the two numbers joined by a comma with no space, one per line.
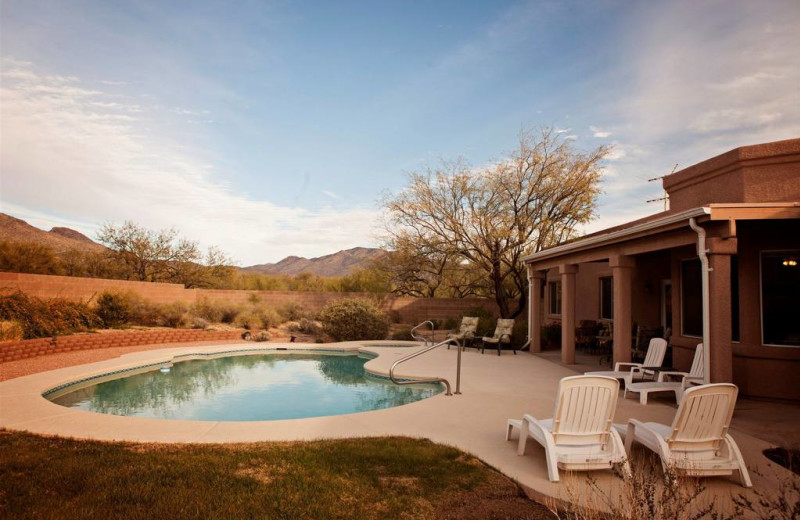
(423,338)
(426,379)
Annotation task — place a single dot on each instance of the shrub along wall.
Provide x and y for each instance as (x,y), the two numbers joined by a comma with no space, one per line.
(38,347)
(410,310)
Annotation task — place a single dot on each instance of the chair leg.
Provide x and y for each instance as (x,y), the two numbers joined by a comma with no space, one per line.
(643,397)
(552,465)
(744,476)
(523,438)
(509,429)
(498,348)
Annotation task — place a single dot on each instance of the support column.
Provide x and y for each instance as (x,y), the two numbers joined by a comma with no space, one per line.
(535,280)
(621,268)
(568,295)
(720,351)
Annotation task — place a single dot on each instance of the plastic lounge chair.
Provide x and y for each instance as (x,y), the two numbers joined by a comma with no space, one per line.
(694,376)
(466,331)
(579,436)
(698,443)
(654,358)
(502,334)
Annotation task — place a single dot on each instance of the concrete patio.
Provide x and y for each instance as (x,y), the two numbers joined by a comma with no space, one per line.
(493,389)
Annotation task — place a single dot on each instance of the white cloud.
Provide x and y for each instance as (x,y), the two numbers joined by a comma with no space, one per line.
(79,153)
(598,132)
(331,194)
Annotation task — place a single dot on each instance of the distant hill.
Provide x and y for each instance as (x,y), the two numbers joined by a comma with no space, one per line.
(337,264)
(60,239)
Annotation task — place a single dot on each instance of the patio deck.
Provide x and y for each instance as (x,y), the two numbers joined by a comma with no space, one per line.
(494,389)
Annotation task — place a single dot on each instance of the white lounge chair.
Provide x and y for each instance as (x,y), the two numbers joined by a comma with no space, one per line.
(694,376)
(579,436)
(698,443)
(465,332)
(502,334)
(654,358)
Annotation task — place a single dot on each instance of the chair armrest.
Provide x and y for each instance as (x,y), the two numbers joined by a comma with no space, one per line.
(650,438)
(621,364)
(662,376)
(505,338)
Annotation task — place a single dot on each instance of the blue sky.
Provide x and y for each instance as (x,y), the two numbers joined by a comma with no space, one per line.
(273,128)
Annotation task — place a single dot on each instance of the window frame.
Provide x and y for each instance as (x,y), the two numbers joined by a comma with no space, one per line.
(600,281)
(683,297)
(761,291)
(551,294)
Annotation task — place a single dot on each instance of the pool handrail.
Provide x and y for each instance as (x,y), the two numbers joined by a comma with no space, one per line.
(423,338)
(425,379)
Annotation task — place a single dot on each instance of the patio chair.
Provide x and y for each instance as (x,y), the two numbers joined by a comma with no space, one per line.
(698,443)
(655,356)
(466,331)
(502,334)
(693,376)
(579,436)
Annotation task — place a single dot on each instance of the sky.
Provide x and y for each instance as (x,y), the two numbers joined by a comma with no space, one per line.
(275,128)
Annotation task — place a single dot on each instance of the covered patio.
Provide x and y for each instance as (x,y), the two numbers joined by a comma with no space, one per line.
(719,268)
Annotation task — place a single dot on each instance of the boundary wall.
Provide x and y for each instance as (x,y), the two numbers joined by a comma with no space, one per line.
(410,310)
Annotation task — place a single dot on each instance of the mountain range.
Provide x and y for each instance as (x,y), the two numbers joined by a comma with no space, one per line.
(62,239)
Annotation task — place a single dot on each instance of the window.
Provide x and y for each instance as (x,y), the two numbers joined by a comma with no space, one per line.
(691,298)
(554,291)
(607,298)
(735,298)
(780,285)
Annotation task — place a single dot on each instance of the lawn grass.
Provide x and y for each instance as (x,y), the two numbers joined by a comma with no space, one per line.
(394,477)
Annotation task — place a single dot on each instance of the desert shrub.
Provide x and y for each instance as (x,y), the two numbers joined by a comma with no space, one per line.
(228,312)
(199,323)
(11,331)
(292,311)
(144,312)
(351,319)
(306,326)
(40,318)
(261,336)
(114,308)
(207,310)
(172,315)
(486,320)
(254,298)
(249,320)
(395,316)
(403,334)
(269,316)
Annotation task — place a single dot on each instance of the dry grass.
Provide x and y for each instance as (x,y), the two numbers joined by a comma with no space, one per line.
(373,478)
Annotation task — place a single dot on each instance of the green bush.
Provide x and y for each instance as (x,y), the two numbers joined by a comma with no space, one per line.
(40,318)
(451,323)
(403,334)
(551,334)
(114,309)
(352,319)
(486,321)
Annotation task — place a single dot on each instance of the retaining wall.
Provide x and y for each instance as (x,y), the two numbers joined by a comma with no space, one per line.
(39,347)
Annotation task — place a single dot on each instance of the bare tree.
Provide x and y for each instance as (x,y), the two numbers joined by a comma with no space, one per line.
(162,256)
(491,217)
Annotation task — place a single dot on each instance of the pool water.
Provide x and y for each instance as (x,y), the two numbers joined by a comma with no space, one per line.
(248,388)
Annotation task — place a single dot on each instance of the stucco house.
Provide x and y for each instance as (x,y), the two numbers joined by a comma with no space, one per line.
(721,266)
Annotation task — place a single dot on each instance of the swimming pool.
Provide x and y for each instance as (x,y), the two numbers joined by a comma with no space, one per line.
(258,387)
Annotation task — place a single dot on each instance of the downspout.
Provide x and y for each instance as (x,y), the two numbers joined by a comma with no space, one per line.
(702,253)
(529,307)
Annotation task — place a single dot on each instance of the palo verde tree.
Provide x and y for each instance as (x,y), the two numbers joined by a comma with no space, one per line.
(491,217)
(162,256)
